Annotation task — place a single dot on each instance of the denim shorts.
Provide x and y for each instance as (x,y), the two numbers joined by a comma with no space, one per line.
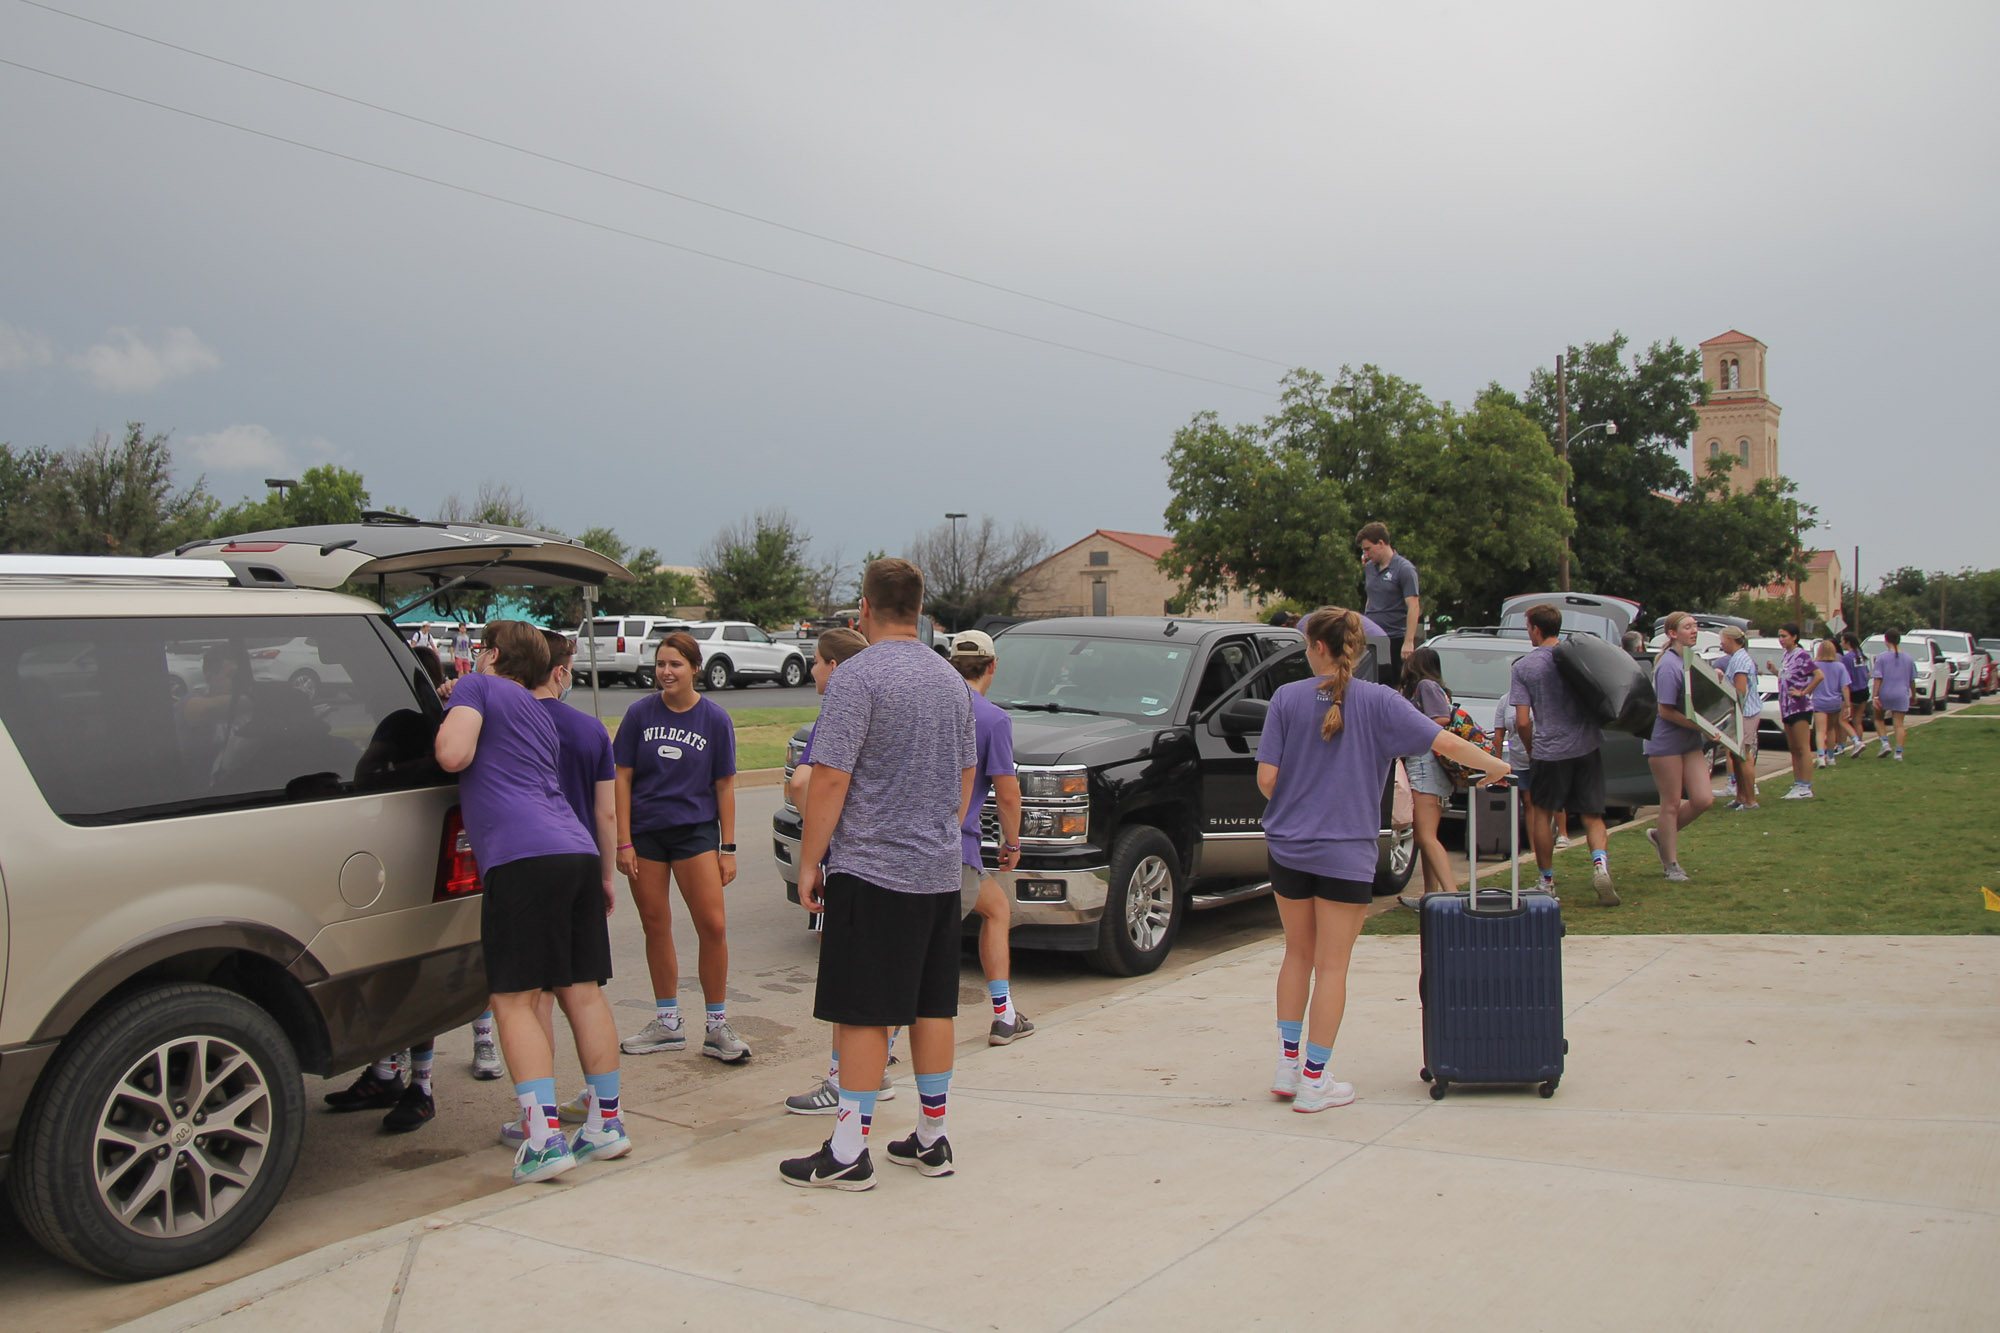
(1427,775)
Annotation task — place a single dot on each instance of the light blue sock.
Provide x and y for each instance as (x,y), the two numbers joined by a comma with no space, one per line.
(851,1125)
(932,1090)
(1289,1033)
(833,1067)
(1316,1058)
(603,1098)
(1003,1003)
(716,1013)
(538,1110)
(669,1010)
(1601,857)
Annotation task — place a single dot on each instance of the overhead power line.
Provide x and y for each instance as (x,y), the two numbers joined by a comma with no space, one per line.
(629,234)
(657,189)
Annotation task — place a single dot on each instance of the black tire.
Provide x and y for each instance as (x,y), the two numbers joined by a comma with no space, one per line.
(794,673)
(1145,875)
(643,677)
(306,681)
(1395,860)
(1926,706)
(717,674)
(65,1164)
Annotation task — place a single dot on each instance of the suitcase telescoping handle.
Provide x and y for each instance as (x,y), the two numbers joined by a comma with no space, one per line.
(1512,782)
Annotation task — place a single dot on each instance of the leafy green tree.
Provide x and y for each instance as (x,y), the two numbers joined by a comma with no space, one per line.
(108,497)
(1472,498)
(324,494)
(657,591)
(757,570)
(854,591)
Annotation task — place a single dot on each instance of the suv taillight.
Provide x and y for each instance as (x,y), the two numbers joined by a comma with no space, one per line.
(458,873)
(621,645)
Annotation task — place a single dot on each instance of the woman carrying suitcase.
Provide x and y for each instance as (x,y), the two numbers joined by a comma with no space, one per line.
(1324,757)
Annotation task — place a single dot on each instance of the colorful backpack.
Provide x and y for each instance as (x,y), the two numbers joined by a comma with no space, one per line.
(1462,726)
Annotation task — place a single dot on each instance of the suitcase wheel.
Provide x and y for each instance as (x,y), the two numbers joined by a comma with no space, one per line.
(1424,1074)
(1438,1090)
(1548,1089)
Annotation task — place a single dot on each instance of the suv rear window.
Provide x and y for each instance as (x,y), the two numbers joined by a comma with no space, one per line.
(127,719)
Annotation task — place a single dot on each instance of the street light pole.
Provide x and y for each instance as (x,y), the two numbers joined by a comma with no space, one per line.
(957,565)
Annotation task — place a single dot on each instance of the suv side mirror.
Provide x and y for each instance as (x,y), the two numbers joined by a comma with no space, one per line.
(1244,717)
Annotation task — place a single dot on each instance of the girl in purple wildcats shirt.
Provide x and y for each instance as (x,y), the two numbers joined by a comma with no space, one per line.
(1321,764)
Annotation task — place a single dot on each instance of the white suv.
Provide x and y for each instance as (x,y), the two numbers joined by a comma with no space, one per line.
(735,652)
(623,646)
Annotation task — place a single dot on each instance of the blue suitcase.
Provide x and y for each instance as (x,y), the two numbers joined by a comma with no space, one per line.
(1491,981)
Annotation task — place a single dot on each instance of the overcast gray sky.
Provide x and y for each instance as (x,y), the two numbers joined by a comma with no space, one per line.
(1451,191)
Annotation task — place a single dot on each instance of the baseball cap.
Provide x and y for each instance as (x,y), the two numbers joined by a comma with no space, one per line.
(972,643)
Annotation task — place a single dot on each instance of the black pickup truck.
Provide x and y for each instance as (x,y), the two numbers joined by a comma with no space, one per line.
(1136,741)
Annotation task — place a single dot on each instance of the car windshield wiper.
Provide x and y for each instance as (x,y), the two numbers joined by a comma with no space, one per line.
(1048,708)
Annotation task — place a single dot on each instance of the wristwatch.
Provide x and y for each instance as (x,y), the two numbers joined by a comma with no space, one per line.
(728,848)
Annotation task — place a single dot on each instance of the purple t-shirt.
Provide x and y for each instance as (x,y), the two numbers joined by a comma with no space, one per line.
(1794,673)
(1830,694)
(510,795)
(584,759)
(1325,814)
(1670,688)
(898,720)
(1897,671)
(993,733)
(676,759)
(1857,673)
(1562,729)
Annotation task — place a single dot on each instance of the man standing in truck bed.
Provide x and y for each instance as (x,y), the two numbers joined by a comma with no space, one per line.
(1392,596)
(894,753)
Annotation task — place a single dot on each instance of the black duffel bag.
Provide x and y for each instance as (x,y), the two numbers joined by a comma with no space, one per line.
(1614,688)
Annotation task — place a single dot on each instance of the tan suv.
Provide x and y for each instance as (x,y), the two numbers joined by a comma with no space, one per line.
(214,878)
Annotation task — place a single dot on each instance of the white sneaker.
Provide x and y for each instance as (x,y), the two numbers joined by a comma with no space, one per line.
(1318,1094)
(1673,874)
(1600,879)
(1562,843)
(601,1145)
(576,1110)
(1285,1083)
(655,1036)
(1799,792)
(486,1059)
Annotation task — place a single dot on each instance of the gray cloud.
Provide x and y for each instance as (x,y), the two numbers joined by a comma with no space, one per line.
(23,349)
(126,363)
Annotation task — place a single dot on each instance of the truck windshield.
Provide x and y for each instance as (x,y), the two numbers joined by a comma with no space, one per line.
(1097,675)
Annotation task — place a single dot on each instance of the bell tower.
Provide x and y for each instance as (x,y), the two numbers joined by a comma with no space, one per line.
(1739,422)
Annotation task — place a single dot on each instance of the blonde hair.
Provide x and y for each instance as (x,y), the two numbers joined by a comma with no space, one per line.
(1675,619)
(837,645)
(1339,632)
(1827,651)
(1731,634)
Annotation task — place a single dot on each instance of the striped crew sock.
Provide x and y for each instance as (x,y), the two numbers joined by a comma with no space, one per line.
(482,1027)
(931,1091)
(1601,859)
(385,1068)
(717,1014)
(603,1099)
(1289,1032)
(668,1010)
(1316,1058)
(851,1125)
(538,1110)
(420,1070)
(833,1068)
(1003,1001)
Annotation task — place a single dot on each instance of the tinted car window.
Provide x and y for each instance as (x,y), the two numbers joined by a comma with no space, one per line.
(1480,672)
(702,631)
(1228,663)
(121,720)
(740,633)
(1138,679)
(604,629)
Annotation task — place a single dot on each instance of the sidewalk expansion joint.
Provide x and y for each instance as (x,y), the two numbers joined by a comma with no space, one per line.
(390,1315)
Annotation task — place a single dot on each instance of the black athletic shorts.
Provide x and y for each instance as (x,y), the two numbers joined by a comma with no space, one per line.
(1299,885)
(1575,785)
(541,924)
(680,843)
(886,959)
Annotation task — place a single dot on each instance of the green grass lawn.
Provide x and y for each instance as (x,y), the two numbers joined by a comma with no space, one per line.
(1883,849)
(761,734)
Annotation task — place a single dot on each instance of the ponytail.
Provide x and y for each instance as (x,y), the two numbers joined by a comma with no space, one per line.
(1339,632)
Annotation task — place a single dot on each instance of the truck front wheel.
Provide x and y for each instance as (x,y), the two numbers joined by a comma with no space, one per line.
(1144,907)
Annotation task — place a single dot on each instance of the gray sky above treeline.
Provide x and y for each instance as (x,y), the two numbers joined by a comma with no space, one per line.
(1450,191)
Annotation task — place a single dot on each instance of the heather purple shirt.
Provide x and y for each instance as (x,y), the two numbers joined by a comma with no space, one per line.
(1562,729)
(511,795)
(1670,688)
(676,759)
(1325,813)
(1794,673)
(583,761)
(898,720)
(993,733)
(1897,671)
(1829,695)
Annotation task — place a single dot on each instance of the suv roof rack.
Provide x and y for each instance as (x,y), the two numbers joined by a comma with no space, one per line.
(145,569)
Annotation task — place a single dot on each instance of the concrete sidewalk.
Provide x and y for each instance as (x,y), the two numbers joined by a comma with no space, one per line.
(1753,1132)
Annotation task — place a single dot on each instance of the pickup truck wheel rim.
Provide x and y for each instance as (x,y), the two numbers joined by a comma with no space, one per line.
(1149,903)
(1402,851)
(182,1137)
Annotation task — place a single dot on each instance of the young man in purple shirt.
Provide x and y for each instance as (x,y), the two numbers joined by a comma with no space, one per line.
(973,657)
(1565,763)
(1393,601)
(894,754)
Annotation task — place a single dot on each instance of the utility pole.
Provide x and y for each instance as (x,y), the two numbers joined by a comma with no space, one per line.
(1854,622)
(1562,452)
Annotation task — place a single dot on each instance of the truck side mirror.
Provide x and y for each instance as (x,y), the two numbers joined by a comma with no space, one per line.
(1244,717)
